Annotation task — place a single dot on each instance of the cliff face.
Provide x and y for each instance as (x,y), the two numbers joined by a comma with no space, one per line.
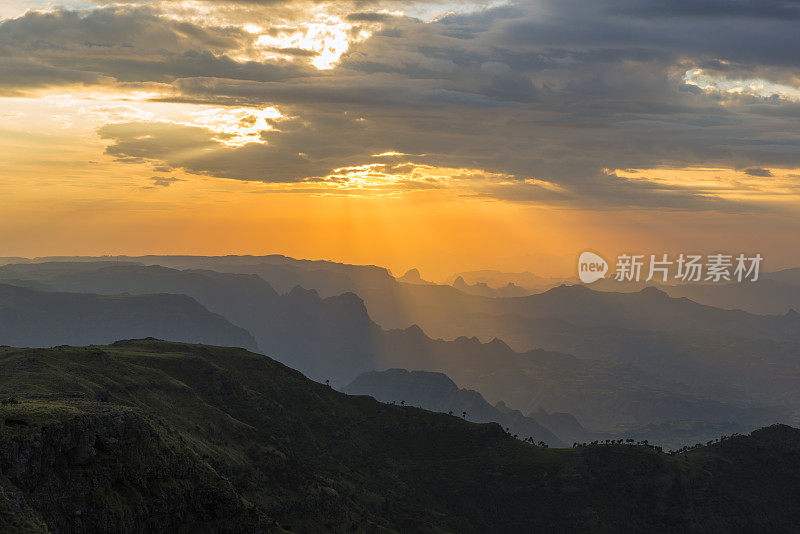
(85,468)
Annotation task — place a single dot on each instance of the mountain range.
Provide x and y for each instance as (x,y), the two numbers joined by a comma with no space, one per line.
(34,318)
(618,363)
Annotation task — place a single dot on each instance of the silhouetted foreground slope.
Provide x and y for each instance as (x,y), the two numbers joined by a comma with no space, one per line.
(167,437)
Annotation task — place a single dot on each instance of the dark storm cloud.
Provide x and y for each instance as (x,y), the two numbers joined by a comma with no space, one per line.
(551,95)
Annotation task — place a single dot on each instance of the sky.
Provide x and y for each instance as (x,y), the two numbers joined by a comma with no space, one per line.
(446,136)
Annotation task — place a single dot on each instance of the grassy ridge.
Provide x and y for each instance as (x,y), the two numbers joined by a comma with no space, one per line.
(313,459)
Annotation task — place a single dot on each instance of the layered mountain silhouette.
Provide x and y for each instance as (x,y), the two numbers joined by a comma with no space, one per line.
(648,309)
(394,304)
(528,281)
(786,276)
(625,377)
(564,425)
(444,311)
(34,318)
(771,294)
(436,392)
(484,290)
(328,339)
(765,296)
(600,394)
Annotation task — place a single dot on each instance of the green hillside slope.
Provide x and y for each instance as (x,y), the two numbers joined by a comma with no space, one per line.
(260,443)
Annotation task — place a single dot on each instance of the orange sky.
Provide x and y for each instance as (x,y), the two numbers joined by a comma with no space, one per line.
(53,212)
(61,193)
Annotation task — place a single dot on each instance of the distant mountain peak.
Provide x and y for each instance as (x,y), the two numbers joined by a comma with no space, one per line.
(503,407)
(413,276)
(499,343)
(415,330)
(301,292)
(653,290)
(569,289)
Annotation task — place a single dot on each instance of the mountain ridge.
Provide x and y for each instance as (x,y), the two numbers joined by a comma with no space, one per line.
(307,458)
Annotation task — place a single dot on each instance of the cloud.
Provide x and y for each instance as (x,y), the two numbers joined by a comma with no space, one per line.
(544,100)
(764,173)
(196,149)
(164,181)
(128,44)
(17,76)
(714,9)
(369,17)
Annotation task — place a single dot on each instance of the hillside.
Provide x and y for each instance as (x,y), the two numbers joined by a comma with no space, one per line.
(73,465)
(309,458)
